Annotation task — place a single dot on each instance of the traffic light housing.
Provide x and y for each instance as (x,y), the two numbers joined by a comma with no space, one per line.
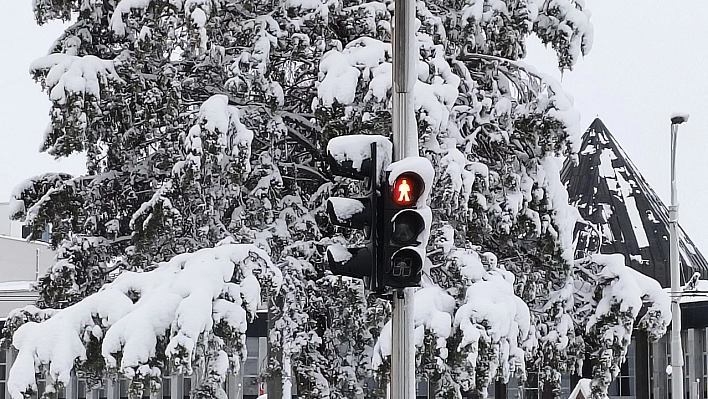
(407,219)
(359,157)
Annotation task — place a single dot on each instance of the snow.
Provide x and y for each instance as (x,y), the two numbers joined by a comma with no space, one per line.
(125,7)
(356,148)
(14,286)
(625,190)
(345,208)
(700,294)
(340,70)
(433,310)
(178,301)
(564,215)
(491,313)
(679,117)
(583,387)
(69,74)
(234,139)
(629,288)
(339,253)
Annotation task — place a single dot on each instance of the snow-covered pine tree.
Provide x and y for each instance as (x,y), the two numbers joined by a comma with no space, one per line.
(206,119)
(197,123)
(492,127)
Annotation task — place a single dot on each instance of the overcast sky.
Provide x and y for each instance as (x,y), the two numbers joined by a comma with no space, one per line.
(648,61)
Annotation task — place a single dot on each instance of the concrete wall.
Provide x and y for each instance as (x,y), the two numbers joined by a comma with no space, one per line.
(20,263)
(8,227)
(11,298)
(21,260)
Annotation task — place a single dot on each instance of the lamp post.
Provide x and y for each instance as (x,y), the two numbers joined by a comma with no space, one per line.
(676,350)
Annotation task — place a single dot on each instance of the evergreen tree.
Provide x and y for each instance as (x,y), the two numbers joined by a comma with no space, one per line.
(206,120)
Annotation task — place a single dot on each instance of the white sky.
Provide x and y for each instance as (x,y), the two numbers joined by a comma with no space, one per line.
(646,63)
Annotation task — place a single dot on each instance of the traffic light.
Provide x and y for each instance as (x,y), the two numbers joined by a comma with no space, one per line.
(407,220)
(359,157)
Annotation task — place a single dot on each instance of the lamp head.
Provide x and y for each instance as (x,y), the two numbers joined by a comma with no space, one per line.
(678,118)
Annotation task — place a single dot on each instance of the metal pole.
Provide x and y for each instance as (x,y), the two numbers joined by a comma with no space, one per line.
(676,350)
(405,144)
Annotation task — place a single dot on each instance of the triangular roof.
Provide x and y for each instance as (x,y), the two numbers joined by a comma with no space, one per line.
(609,192)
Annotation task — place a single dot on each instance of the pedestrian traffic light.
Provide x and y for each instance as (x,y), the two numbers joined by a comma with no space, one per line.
(360,157)
(407,221)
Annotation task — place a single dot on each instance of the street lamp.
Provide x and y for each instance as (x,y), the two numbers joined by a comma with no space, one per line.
(676,351)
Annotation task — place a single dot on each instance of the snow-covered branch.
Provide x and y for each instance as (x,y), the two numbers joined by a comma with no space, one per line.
(179,303)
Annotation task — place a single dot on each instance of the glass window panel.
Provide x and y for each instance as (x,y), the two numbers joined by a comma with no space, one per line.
(250,385)
(102,393)
(250,367)
(2,371)
(186,387)
(166,388)
(2,390)
(61,393)
(252,346)
(81,390)
(3,356)
(422,388)
(123,389)
(532,380)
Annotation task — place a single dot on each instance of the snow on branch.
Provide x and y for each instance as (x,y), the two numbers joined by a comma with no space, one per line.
(340,70)
(31,193)
(492,315)
(178,303)
(494,324)
(609,321)
(565,24)
(628,289)
(219,127)
(196,14)
(69,74)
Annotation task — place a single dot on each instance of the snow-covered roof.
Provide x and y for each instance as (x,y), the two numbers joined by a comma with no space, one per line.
(19,239)
(609,192)
(16,286)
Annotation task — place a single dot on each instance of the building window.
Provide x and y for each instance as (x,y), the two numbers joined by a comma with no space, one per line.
(625,383)
(166,388)
(186,387)
(3,369)
(528,391)
(251,367)
(123,389)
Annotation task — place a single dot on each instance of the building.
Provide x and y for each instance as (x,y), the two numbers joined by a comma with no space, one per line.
(21,261)
(610,192)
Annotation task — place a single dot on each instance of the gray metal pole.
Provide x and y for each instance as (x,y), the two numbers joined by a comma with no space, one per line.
(405,144)
(676,350)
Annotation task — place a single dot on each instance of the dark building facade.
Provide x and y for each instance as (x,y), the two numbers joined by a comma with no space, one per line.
(630,219)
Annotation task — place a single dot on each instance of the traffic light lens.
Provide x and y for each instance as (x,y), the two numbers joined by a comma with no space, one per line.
(406,227)
(403,192)
(406,189)
(406,265)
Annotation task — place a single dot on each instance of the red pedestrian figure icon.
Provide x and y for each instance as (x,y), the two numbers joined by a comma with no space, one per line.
(404,190)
